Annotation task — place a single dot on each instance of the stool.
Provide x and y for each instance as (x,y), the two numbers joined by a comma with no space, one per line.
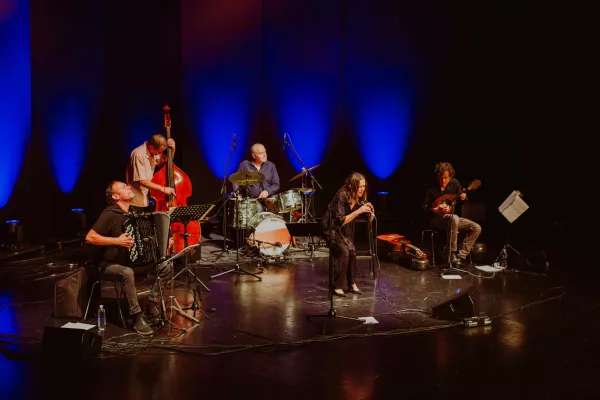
(432,232)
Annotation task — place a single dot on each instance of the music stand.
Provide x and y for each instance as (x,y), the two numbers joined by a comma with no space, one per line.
(185,215)
(511,209)
(310,229)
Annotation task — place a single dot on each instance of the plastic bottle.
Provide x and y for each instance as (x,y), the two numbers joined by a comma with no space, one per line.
(101,318)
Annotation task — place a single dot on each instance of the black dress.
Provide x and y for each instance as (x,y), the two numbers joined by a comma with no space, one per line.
(340,239)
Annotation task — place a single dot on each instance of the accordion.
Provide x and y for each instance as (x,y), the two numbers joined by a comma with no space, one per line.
(145,248)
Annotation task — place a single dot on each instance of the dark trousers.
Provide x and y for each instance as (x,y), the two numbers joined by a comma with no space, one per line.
(121,273)
(343,254)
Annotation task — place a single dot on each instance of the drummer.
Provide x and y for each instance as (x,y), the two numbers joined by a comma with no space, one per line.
(270,185)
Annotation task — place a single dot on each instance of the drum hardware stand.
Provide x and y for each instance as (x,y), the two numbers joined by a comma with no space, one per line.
(224,195)
(262,257)
(307,213)
(288,140)
(224,228)
(237,269)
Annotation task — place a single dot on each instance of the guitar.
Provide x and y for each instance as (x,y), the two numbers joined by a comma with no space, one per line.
(399,244)
(452,199)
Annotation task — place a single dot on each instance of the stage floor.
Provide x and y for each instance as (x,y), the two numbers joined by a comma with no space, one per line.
(255,338)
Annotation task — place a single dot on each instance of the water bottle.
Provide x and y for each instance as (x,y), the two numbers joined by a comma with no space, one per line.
(101,318)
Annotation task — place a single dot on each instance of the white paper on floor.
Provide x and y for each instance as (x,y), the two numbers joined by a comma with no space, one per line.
(368,320)
(78,325)
(488,268)
(451,276)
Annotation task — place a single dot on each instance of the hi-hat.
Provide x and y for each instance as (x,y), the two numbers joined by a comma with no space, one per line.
(304,172)
(303,190)
(246,178)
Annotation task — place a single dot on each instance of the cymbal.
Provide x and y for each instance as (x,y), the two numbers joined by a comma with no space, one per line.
(246,178)
(304,172)
(303,190)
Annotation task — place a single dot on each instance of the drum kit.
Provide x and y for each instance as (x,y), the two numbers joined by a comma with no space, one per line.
(264,220)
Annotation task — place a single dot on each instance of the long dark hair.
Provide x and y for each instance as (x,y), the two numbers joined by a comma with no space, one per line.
(350,187)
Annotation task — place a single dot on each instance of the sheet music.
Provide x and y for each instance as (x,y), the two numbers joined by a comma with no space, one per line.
(513,207)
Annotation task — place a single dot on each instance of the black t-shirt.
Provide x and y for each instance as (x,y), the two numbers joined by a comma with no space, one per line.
(110,224)
(432,192)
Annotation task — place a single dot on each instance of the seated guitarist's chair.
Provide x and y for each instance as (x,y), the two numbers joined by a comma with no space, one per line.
(435,235)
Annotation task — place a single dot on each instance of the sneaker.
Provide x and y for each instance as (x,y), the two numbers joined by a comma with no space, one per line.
(141,325)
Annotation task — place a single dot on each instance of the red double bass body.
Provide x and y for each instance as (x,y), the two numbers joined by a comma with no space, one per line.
(172,176)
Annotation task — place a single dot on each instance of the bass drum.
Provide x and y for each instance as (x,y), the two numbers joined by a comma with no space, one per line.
(269,228)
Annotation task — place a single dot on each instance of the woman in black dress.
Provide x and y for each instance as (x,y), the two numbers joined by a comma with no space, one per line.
(349,202)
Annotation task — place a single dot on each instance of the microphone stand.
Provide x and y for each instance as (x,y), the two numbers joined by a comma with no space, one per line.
(312,177)
(224,196)
(331,313)
(291,146)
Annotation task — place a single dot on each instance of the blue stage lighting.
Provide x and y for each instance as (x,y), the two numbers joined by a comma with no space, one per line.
(68,124)
(305,114)
(383,126)
(15,92)
(222,109)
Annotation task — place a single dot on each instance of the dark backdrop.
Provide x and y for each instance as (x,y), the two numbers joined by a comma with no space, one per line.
(488,85)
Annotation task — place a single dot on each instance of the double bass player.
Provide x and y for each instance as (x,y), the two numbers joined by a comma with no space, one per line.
(143,162)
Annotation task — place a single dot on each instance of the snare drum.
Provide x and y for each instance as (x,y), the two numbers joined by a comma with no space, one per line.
(269,228)
(289,201)
(241,211)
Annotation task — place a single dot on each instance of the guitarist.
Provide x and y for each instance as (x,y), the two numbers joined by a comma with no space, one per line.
(443,216)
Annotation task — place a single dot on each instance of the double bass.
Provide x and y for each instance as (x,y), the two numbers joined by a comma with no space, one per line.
(172,176)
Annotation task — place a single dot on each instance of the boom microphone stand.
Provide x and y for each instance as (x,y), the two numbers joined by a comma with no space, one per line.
(288,140)
(225,199)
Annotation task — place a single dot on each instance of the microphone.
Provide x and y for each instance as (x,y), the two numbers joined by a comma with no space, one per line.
(234,141)
(284,141)
(362,203)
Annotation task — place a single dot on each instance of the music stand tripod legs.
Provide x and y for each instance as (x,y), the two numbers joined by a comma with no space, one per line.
(164,321)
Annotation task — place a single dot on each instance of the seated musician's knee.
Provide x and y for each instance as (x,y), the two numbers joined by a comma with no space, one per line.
(128,275)
(455,220)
